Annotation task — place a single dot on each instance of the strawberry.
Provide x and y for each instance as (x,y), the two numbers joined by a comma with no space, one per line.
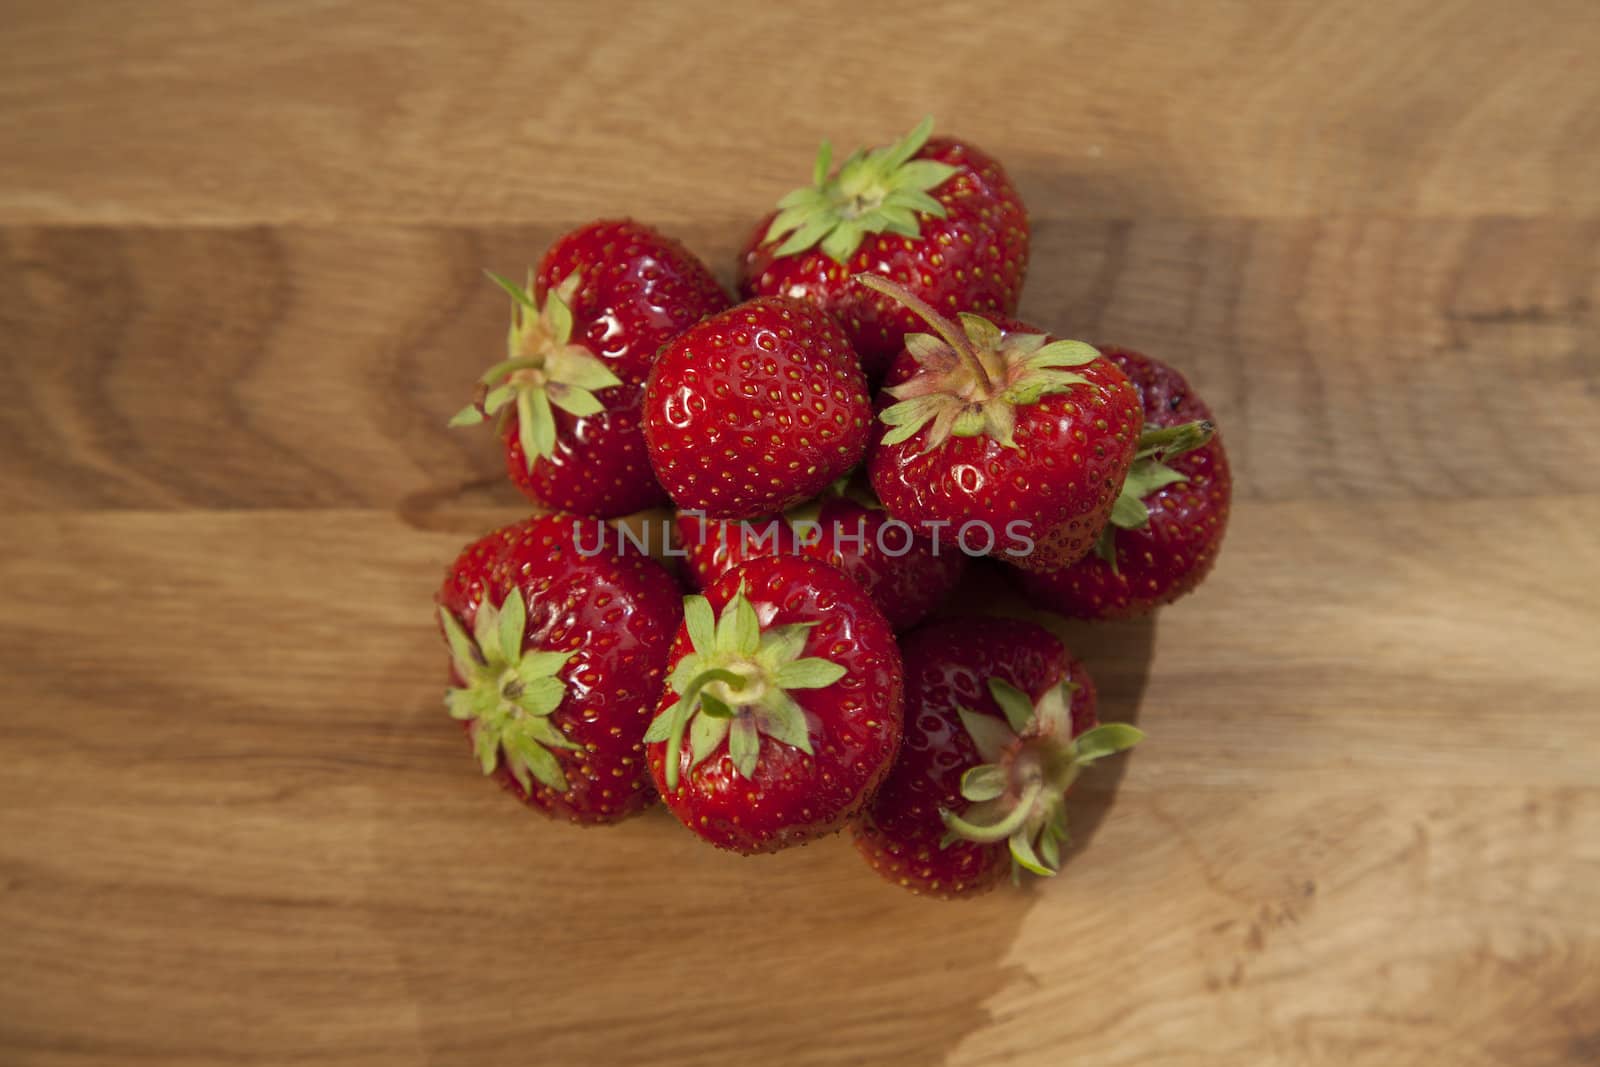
(782,708)
(755,409)
(584,332)
(938,216)
(906,575)
(1000,720)
(556,661)
(1166,528)
(998,425)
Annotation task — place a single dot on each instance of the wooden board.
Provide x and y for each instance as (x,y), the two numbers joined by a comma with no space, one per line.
(239,296)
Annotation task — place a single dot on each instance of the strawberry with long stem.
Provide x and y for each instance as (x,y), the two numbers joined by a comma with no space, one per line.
(1000,723)
(996,422)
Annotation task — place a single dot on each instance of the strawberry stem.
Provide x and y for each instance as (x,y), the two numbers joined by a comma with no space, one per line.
(951,333)
(1005,827)
(733,681)
(1176,440)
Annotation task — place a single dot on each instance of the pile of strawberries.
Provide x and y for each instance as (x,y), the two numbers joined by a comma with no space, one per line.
(868,425)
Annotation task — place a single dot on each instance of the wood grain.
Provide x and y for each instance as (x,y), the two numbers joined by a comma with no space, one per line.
(316,367)
(240,293)
(1319,846)
(336,110)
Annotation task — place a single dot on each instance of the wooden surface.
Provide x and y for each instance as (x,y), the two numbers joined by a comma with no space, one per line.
(239,296)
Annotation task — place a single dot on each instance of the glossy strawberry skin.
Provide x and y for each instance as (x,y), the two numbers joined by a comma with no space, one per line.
(947,667)
(600,467)
(1163,561)
(1074,450)
(617,614)
(973,259)
(907,576)
(755,409)
(855,724)
(639,290)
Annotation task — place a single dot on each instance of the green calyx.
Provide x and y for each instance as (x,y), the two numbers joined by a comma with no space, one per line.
(509,693)
(881,191)
(545,370)
(971,377)
(806,517)
(1148,474)
(734,686)
(1031,759)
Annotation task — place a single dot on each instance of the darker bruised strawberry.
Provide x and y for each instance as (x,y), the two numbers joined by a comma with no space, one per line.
(1186,499)
(755,409)
(559,715)
(782,708)
(1002,692)
(999,425)
(906,575)
(938,216)
(603,301)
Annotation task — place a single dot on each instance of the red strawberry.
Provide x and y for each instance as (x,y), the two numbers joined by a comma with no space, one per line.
(998,425)
(606,297)
(1167,527)
(556,663)
(755,409)
(939,217)
(999,722)
(782,709)
(906,575)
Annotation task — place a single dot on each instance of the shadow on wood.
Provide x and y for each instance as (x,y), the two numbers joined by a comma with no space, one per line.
(1117,656)
(595,945)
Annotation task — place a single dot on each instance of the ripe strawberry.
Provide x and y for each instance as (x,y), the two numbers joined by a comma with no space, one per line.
(1167,526)
(781,713)
(1000,720)
(556,662)
(606,297)
(939,217)
(755,409)
(906,575)
(999,425)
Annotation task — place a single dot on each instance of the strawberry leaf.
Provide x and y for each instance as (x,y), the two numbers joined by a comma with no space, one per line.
(1016,705)
(537,759)
(1107,739)
(781,719)
(1130,513)
(824,162)
(517,293)
(513,621)
(990,735)
(701,623)
(542,696)
(464,653)
(744,746)
(1022,851)
(559,317)
(574,401)
(809,674)
(984,335)
(705,736)
(882,191)
(983,782)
